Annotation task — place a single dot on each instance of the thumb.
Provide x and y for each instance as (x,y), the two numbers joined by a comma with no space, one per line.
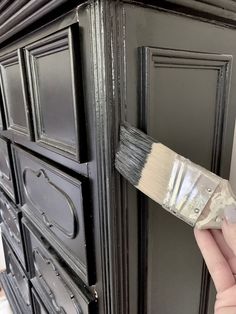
(229,227)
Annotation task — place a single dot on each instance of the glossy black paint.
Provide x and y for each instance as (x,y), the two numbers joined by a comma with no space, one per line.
(51,280)
(56,203)
(17,278)
(7,178)
(39,308)
(11,227)
(117,220)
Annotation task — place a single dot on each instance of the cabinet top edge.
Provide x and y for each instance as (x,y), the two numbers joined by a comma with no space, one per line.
(222,12)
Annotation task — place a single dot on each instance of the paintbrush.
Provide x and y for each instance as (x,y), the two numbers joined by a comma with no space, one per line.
(185,189)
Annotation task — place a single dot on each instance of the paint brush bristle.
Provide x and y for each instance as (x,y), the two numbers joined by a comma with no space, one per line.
(183,188)
(133,152)
(143,162)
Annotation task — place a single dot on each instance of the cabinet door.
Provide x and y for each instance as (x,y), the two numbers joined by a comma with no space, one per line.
(14,93)
(179,73)
(56,92)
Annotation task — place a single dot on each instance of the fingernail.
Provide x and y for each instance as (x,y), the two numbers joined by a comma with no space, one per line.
(230,214)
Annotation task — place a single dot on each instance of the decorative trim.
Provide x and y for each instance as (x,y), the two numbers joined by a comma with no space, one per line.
(158,58)
(12,219)
(107,37)
(221,12)
(60,41)
(75,287)
(12,299)
(29,12)
(49,222)
(15,58)
(85,270)
(17,279)
(49,264)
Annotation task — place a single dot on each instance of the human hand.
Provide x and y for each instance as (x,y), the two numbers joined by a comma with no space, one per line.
(218,248)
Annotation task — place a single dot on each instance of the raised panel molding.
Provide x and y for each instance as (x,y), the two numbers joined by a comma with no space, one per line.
(43,264)
(14,59)
(72,146)
(154,59)
(180,59)
(52,279)
(57,204)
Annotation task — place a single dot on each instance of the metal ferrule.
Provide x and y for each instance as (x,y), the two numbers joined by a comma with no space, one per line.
(189,190)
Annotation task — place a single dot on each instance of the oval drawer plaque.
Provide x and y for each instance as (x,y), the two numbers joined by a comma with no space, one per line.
(54,202)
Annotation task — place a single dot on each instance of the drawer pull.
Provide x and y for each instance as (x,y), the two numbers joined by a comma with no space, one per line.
(40,263)
(51,223)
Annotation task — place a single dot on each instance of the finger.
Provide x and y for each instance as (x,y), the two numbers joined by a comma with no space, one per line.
(226,298)
(226,310)
(216,263)
(225,249)
(229,232)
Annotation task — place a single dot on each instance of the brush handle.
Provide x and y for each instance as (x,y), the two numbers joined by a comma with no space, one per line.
(213,214)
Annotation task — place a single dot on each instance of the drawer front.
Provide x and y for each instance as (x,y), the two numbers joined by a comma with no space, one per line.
(1,120)
(16,275)
(13,92)
(6,178)
(51,279)
(54,79)
(11,226)
(54,202)
(39,308)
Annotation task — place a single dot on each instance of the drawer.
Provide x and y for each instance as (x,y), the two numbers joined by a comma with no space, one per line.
(56,203)
(56,92)
(1,118)
(17,278)
(38,305)
(6,175)
(11,228)
(13,92)
(51,280)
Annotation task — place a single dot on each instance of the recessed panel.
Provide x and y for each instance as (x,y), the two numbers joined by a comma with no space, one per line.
(13,93)
(55,92)
(185,104)
(56,97)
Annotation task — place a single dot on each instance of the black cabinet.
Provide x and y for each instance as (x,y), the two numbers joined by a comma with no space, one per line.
(71,73)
